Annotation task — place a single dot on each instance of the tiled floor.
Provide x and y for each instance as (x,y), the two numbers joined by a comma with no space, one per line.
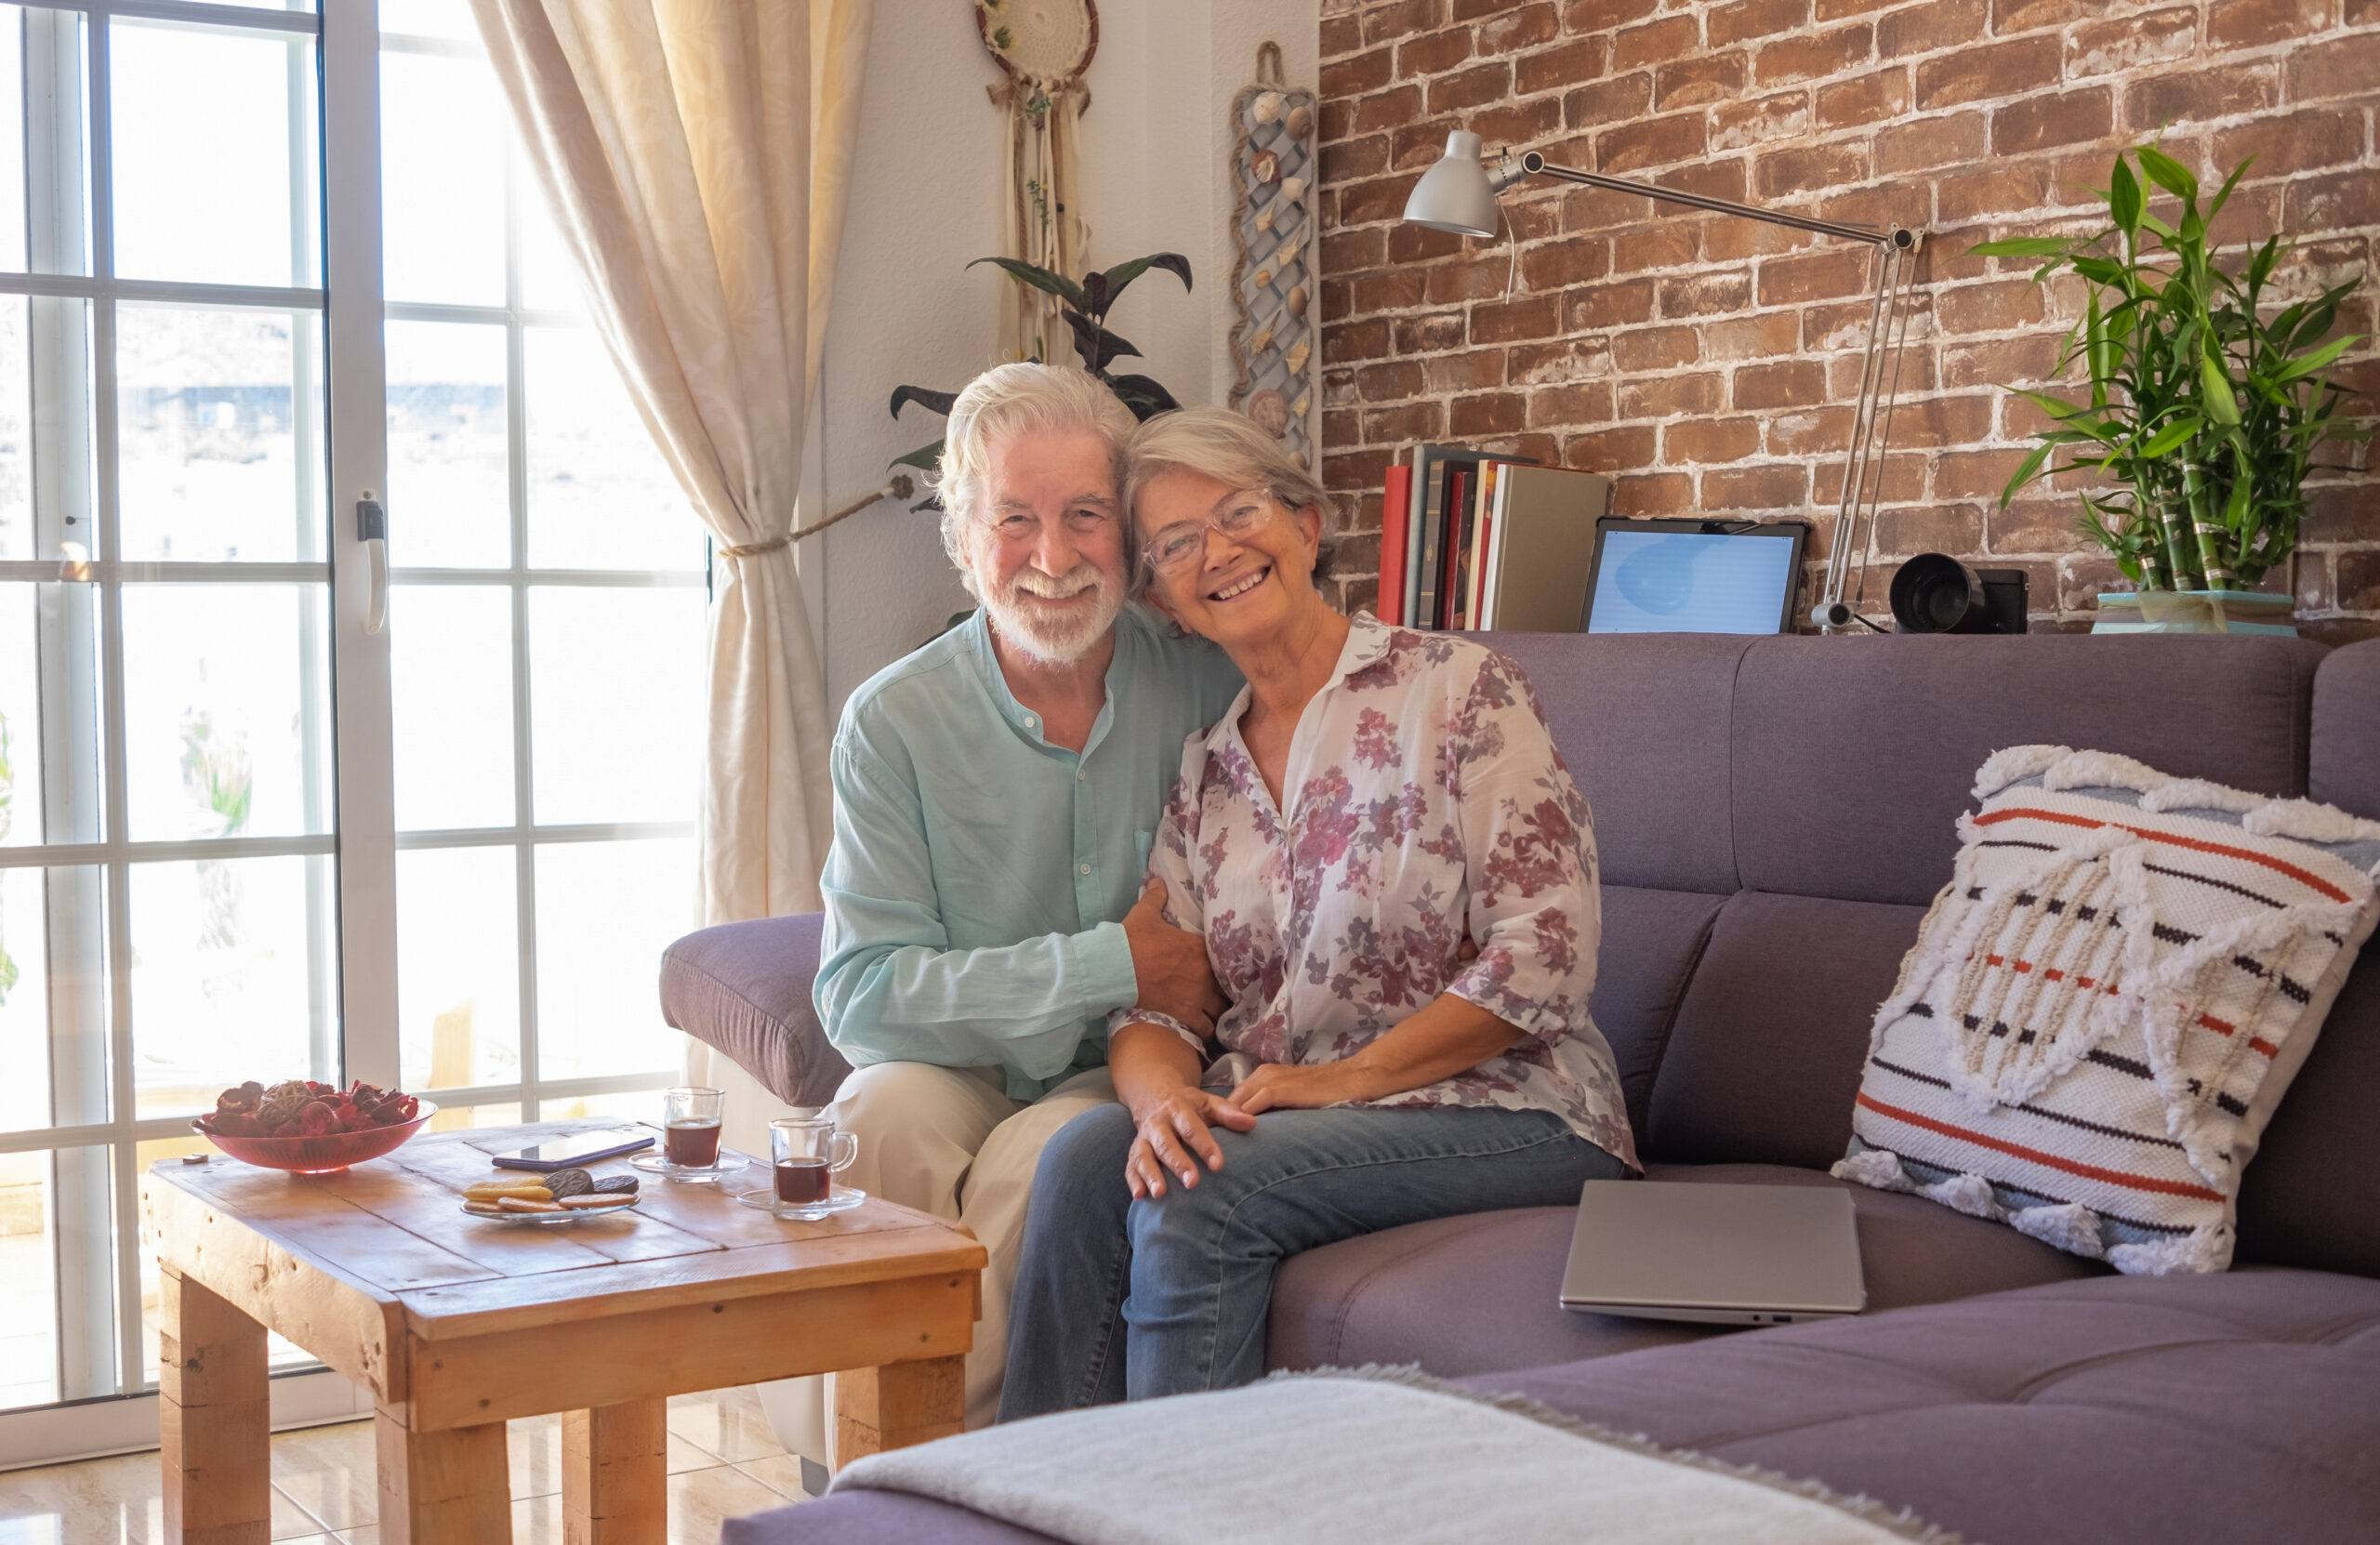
(723,1462)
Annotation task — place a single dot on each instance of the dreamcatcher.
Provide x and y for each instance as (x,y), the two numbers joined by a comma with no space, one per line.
(1043,46)
(1272,273)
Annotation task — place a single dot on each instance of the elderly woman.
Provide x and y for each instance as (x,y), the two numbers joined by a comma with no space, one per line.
(1372,803)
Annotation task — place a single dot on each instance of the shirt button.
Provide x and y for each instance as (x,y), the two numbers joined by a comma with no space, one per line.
(1086,868)
(1081,774)
(1030,721)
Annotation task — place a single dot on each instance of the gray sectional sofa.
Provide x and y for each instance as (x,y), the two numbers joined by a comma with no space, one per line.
(1773,815)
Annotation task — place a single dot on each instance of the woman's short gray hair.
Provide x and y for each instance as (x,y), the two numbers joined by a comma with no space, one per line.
(999,403)
(1230,448)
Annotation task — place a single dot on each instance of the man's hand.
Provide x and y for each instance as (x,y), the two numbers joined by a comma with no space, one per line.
(1170,964)
(1172,1128)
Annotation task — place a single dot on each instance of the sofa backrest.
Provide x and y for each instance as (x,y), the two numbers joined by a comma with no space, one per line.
(1774,815)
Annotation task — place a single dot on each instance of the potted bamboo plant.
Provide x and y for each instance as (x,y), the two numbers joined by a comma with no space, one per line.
(2204,413)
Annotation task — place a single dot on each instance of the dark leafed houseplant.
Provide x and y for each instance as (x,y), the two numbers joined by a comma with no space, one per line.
(2204,413)
(1084,304)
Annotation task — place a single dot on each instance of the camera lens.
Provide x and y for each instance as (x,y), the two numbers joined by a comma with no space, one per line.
(1936,594)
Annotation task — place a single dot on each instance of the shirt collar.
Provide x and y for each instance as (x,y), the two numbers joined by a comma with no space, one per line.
(1367,641)
(977,630)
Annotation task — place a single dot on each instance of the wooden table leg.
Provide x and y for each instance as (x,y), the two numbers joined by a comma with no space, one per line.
(215,1418)
(897,1404)
(616,1474)
(443,1489)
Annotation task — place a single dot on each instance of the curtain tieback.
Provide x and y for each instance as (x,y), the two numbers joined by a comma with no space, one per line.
(899,487)
(754,549)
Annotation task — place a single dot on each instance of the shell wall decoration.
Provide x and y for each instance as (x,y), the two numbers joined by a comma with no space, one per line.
(1273,284)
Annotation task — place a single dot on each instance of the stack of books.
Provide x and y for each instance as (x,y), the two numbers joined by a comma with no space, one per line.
(1477,539)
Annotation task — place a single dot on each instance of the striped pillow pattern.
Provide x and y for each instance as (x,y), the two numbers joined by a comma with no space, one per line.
(2108,1001)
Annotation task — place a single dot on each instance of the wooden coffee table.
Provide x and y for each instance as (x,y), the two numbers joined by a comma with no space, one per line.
(457,1323)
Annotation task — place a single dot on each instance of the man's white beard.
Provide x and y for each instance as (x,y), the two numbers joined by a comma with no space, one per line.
(1056,636)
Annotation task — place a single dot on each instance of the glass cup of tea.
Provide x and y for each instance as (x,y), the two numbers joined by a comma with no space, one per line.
(808,1153)
(690,1127)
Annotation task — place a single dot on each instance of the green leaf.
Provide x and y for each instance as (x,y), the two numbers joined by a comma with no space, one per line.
(2023,246)
(1039,278)
(2168,173)
(2317,358)
(2171,435)
(925,458)
(2224,193)
(932,402)
(2024,474)
(2125,200)
(1124,274)
(2102,270)
(2215,391)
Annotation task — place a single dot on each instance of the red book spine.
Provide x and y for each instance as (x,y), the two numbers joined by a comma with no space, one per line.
(1396,505)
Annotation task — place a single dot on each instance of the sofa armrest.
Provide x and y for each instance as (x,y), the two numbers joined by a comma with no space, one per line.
(743,989)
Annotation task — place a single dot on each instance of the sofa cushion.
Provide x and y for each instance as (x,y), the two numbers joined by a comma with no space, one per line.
(2342,753)
(1764,1061)
(744,989)
(2240,1407)
(1652,940)
(2312,1198)
(1853,757)
(1476,1293)
(1643,722)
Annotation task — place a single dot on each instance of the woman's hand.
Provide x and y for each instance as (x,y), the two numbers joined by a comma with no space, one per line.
(1172,1128)
(1306,1085)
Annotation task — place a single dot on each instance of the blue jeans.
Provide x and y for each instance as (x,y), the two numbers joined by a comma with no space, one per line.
(1125,1299)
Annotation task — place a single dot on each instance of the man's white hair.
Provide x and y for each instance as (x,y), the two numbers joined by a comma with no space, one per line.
(1002,402)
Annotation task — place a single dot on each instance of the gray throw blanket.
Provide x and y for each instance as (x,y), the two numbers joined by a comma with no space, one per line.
(1370,1455)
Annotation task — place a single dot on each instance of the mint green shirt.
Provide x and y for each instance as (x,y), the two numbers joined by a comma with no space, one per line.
(976,891)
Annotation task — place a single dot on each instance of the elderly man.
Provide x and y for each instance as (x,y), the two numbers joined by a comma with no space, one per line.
(995,794)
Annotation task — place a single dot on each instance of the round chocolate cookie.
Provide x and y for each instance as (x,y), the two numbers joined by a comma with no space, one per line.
(616,1185)
(569,1183)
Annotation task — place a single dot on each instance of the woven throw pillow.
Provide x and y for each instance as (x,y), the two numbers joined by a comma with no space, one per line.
(2108,1001)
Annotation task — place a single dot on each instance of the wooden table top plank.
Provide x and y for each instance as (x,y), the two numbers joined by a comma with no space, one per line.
(395,1229)
(317,1224)
(881,1254)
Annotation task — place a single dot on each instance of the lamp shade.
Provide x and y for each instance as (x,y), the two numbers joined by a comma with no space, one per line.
(1454,194)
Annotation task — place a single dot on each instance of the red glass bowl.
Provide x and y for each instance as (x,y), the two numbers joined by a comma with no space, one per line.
(318,1155)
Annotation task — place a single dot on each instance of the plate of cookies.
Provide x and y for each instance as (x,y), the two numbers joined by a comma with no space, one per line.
(562,1197)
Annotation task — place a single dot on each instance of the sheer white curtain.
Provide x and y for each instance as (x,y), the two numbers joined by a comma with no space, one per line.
(697,154)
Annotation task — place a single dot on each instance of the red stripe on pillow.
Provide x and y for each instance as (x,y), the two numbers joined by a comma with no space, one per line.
(2034,1156)
(2281,866)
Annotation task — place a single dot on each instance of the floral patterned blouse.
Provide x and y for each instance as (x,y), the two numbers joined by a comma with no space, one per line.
(1427,800)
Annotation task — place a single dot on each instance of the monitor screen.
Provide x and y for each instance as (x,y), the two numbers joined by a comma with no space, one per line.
(1674,581)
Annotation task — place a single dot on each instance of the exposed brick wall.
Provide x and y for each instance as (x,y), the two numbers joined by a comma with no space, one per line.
(1710,363)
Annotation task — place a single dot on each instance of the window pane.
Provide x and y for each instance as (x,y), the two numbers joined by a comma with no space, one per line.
(600,495)
(605,911)
(615,702)
(21,737)
(443,138)
(16,419)
(450,501)
(225,722)
(428,18)
(230,978)
(451,663)
(458,1118)
(458,963)
(31,1229)
(53,999)
(231,204)
(218,423)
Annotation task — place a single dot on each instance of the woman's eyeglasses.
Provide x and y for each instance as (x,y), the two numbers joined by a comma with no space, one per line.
(1184,543)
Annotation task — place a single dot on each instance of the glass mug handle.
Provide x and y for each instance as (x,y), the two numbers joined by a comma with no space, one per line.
(846,1149)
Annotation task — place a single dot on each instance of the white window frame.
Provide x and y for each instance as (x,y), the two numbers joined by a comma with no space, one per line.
(366,1037)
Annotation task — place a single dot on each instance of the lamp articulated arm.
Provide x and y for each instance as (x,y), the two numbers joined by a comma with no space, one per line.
(1457,193)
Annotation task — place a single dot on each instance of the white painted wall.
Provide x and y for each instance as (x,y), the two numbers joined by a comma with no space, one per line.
(927,199)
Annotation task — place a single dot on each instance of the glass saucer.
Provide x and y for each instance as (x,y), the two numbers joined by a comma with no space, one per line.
(690,1174)
(841,1199)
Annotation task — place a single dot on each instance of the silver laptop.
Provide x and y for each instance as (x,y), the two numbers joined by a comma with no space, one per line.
(1715,1254)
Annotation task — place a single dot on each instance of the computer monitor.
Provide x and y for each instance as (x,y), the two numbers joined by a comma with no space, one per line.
(1693,576)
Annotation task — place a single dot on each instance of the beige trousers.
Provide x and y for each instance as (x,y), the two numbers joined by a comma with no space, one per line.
(948,1141)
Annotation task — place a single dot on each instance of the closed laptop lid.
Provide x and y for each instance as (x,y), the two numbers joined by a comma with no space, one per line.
(1678,1245)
